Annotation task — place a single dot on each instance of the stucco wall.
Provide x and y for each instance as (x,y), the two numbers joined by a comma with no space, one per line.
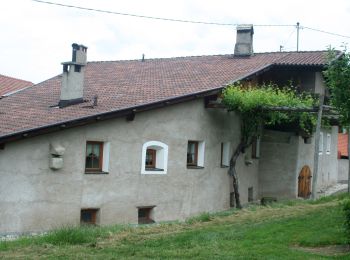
(283,155)
(343,170)
(34,197)
(277,166)
(328,162)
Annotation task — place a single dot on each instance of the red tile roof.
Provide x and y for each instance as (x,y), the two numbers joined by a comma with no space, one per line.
(343,144)
(128,84)
(9,85)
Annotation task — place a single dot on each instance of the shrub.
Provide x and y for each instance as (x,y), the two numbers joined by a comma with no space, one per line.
(346,209)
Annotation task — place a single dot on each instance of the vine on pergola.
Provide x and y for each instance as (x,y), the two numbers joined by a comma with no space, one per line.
(256,106)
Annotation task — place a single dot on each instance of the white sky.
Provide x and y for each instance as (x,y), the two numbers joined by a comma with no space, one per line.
(36,38)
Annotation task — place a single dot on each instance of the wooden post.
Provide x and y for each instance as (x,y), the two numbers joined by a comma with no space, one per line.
(317,143)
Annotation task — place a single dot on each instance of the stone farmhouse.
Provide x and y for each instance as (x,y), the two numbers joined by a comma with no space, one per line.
(139,141)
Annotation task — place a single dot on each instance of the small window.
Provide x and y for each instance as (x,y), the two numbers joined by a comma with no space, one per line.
(256,148)
(195,154)
(192,153)
(150,159)
(88,216)
(328,151)
(320,145)
(96,157)
(250,194)
(225,154)
(145,215)
(154,158)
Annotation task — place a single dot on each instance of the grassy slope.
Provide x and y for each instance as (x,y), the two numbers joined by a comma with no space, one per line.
(252,233)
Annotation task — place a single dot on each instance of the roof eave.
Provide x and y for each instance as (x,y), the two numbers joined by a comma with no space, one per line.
(127,111)
(104,116)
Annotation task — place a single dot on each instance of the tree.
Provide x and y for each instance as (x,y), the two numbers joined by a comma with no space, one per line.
(337,77)
(265,105)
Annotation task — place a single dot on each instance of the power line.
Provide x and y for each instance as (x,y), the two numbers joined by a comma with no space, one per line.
(184,21)
(322,31)
(156,18)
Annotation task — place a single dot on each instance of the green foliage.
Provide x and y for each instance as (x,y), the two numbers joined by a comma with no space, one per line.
(337,77)
(250,101)
(346,209)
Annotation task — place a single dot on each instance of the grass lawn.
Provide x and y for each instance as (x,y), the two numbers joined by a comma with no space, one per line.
(290,230)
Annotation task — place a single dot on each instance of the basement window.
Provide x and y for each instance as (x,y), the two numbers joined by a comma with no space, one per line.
(145,215)
(195,154)
(88,216)
(154,159)
(96,157)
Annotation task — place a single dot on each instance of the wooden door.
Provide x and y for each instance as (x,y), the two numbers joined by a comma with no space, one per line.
(304,182)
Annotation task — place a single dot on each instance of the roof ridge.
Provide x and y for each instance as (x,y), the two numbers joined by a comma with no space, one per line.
(203,56)
(281,58)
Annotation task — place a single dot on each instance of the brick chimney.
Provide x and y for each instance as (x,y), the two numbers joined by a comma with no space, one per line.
(244,40)
(73,77)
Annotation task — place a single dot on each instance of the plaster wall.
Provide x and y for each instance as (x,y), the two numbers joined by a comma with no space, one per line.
(343,170)
(35,198)
(328,162)
(277,166)
(283,155)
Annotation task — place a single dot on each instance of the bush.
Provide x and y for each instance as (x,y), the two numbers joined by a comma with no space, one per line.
(346,209)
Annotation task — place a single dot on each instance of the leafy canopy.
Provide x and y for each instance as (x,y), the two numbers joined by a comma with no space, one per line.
(252,104)
(337,77)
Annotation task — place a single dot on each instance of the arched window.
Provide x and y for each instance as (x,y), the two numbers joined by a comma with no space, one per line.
(154,158)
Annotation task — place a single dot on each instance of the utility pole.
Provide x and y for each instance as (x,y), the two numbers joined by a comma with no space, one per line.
(298,27)
(317,144)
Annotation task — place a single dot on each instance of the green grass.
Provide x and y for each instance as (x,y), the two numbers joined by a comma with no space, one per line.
(277,231)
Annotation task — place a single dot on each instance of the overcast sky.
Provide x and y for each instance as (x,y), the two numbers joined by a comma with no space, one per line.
(36,37)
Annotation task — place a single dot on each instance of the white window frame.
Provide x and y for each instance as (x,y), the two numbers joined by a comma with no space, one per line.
(320,144)
(105,161)
(328,149)
(161,157)
(225,154)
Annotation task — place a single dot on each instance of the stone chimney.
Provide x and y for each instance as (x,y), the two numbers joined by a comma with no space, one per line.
(73,77)
(244,40)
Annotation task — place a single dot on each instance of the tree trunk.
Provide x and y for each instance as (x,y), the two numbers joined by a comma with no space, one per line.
(232,170)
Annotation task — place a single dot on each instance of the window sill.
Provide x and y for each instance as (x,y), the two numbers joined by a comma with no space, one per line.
(96,172)
(150,171)
(194,167)
(154,169)
(224,166)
